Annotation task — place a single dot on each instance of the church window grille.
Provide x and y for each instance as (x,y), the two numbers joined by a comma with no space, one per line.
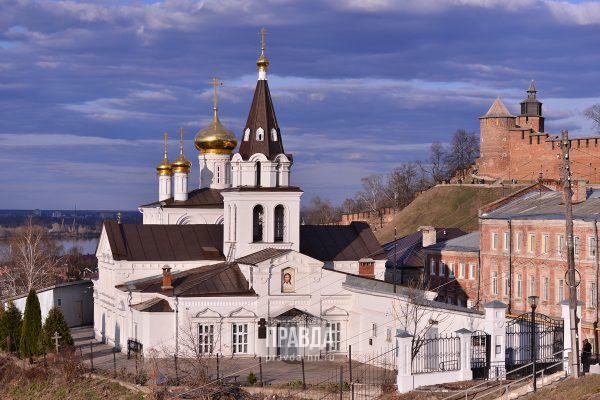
(258,223)
(279,223)
(258,171)
(274,135)
(247,134)
(260,134)
(334,336)
(206,338)
(240,338)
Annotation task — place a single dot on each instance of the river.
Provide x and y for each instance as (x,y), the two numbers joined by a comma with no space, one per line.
(85,246)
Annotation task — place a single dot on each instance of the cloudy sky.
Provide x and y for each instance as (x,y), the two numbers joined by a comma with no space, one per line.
(360,86)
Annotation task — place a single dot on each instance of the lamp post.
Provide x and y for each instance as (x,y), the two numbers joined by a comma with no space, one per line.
(533,301)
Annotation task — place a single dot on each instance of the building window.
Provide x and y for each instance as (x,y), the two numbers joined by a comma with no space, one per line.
(279,221)
(519,285)
(59,302)
(560,293)
(545,289)
(258,173)
(471,271)
(506,284)
(494,241)
(432,267)
(591,297)
(334,336)
(441,269)
(451,270)
(461,270)
(206,337)
(373,330)
(257,223)
(388,336)
(247,134)
(532,285)
(531,243)
(506,241)
(274,134)
(545,244)
(218,174)
(260,134)
(560,244)
(592,247)
(240,338)
(576,246)
(494,282)
(518,242)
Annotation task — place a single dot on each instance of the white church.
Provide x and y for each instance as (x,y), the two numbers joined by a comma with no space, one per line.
(230,265)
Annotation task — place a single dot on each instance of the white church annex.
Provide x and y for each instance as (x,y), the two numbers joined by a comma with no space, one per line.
(229,265)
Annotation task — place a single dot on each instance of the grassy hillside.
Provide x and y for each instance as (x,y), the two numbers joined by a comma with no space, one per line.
(448,206)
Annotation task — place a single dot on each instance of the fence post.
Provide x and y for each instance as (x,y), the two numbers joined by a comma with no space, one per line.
(466,373)
(260,370)
(115,361)
(303,375)
(92,355)
(217,366)
(341,382)
(495,326)
(350,361)
(404,380)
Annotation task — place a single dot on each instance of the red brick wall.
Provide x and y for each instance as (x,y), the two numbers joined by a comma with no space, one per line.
(458,288)
(494,147)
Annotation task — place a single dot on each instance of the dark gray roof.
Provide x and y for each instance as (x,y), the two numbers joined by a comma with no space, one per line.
(155,304)
(340,242)
(407,251)
(221,279)
(260,256)
(138,242)
(545,205)
(199,198)
(468,242)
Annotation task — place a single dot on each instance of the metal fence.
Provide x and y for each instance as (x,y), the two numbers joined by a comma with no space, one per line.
(437,354)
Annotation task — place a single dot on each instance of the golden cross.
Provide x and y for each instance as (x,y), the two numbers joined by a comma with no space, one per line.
(262,33)
(215,82)
(166,137)
(181,141)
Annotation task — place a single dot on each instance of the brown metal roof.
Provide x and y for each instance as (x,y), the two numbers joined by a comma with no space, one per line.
(137,242)
(340,242)
(262,115)
(260,256)
(222,279)
(155,304)
(199,198)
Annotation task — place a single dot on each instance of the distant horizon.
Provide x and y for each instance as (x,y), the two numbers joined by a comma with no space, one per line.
(359,87)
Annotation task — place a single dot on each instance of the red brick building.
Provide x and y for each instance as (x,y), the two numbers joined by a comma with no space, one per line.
(523,251)
(518,148)
(452,269)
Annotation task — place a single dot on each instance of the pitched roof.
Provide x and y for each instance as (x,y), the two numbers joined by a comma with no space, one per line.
(262,115)
(137,242)
(261,255)
(497,110)
(155,304)
(221,279)
(199,198)
(468,242)
(340,242)
(408,250)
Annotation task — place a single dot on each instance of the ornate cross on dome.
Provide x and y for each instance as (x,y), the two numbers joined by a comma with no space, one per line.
(181,141)
(262,33)
(215,82)
(166,138)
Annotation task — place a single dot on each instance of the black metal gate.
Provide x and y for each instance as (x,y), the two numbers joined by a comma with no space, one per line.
(546,334)
(480,354)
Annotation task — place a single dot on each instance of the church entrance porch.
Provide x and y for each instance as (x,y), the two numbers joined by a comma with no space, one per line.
(296,333)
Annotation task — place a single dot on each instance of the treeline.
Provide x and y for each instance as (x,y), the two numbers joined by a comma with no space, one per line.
(399,187)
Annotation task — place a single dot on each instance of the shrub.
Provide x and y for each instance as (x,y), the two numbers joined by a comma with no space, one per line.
(55,322)
(30,344)
(10,327)
(251,379)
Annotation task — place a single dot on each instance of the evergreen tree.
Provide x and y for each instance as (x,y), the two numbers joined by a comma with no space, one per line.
(10,326)
(55,322)
(30,344)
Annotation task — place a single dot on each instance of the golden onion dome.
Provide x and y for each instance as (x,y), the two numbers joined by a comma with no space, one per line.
(164,168)
(215,138)
(181,164)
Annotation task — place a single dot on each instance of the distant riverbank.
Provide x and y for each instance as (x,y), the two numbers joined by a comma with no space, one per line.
(84,246)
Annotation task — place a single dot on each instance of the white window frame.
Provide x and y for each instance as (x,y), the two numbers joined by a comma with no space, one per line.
(531,243)
(506,241)
(461,270)
(591,295)
(495,282)
(560,245)
(545,243)
(576,245)
(206,338)
(494,241)
(531,285)
(591,247)
(334,336)
(560,293)
(505,284)
(519,285)
(471,271)
(239,338)
(518,240)
(545,288)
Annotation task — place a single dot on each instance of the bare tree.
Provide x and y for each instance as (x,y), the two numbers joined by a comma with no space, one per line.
(464,148)
(417,313)
(593,113)
(319,211)
(33,258)
(373,196)
(349,206)
(402,184)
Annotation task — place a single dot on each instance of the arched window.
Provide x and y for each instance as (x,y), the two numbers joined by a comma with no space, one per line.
(279,223)
(246,134)
(258,168)
(260,134)
(274,135)
(258,215)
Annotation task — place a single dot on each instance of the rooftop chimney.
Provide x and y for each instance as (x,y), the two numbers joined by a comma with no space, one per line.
(429,235)
(366,267)
(166,282)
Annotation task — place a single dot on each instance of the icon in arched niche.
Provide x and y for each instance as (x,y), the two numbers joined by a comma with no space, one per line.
(288,280)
